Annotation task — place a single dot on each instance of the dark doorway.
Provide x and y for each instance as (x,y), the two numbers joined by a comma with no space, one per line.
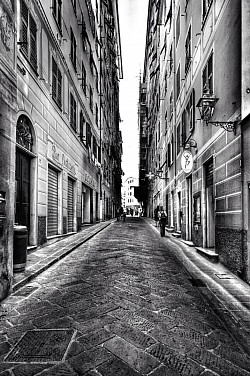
(22,210)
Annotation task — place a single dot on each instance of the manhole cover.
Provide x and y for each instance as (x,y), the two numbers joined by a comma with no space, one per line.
(197,282)
(25,291)
(40,346)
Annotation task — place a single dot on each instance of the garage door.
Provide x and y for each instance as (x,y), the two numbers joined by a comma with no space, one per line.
(52,223)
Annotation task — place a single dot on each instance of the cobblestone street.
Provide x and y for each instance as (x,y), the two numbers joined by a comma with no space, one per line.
(118,305)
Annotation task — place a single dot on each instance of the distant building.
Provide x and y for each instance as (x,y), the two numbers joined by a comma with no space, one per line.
(129,202)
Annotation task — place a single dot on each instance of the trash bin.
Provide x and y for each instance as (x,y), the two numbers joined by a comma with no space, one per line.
(20,248)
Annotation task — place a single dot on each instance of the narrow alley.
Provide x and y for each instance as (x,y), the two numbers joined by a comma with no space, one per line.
(120,304)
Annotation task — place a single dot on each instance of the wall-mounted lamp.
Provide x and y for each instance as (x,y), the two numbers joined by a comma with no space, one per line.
(190,143)
(206,105)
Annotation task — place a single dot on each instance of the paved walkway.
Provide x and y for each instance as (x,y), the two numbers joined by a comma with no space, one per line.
(125,273)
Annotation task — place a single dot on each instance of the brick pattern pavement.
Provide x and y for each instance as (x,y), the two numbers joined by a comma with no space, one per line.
(119,305)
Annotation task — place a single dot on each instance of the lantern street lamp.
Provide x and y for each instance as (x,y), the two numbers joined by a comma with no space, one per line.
(206,105)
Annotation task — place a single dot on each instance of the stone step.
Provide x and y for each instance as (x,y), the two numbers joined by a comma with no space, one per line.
(209,253)
(170,229)
(188,242)
(176,234)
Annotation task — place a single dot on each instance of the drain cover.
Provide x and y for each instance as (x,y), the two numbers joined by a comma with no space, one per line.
(197,282)
(224,276)
(40,346)
(25,291)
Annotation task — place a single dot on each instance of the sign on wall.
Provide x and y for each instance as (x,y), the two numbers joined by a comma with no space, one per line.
(187,161)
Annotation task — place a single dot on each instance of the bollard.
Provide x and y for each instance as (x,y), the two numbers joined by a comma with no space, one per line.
(20,248)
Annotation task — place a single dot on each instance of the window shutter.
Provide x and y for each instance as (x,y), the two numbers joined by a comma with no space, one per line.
(59,93)
(33,42)
(54,78)
(24,27)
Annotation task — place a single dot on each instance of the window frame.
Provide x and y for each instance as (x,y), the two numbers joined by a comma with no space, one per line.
(57,13)
(73,112)
(208,77)
(188,50)
(28,36)
(73,47)
(56,83)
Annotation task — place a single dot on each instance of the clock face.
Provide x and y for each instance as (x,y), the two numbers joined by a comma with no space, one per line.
(187,161)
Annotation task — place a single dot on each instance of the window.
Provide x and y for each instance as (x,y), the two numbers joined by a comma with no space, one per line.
(88,135)
(73,48)
(84,79)
(178,26)
(82,122)
(94,147)
(170,59)
(190,118)
(56,83)
(74,5)
(57,12)
(206,6)
(166,121)
(188,56)
(178,139)
(207,76)
(28,35)
(178,81)
(72,112)
(96,114)
(171,104)
(91,98)
(183,127)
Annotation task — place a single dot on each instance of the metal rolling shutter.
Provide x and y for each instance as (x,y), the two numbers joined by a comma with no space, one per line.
(70,205)
(52,223)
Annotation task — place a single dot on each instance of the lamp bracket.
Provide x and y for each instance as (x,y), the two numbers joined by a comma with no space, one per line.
(229,126)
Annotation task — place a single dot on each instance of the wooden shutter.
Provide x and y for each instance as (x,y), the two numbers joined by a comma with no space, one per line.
(52,222)
(33,43)
(209,174)
(24,27)
(70,205)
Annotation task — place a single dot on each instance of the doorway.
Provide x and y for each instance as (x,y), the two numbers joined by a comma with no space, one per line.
(22,210)
(209,205)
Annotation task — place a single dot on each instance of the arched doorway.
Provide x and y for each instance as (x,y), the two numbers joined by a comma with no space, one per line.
(24,155)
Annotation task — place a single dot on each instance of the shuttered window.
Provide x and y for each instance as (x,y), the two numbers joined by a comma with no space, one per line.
(70,205)
(28,35)
(73,48)
(72,112)
(56,83)
(52,222)
(57,13)
(209,174)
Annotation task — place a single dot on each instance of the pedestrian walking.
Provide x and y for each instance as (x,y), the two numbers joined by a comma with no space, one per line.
(156,216)
(118,214)
(162,222)
(124,216)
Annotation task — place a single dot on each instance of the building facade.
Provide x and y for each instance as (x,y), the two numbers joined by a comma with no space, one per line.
(66,173)
(8,82)
(130,203)
(195,93)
